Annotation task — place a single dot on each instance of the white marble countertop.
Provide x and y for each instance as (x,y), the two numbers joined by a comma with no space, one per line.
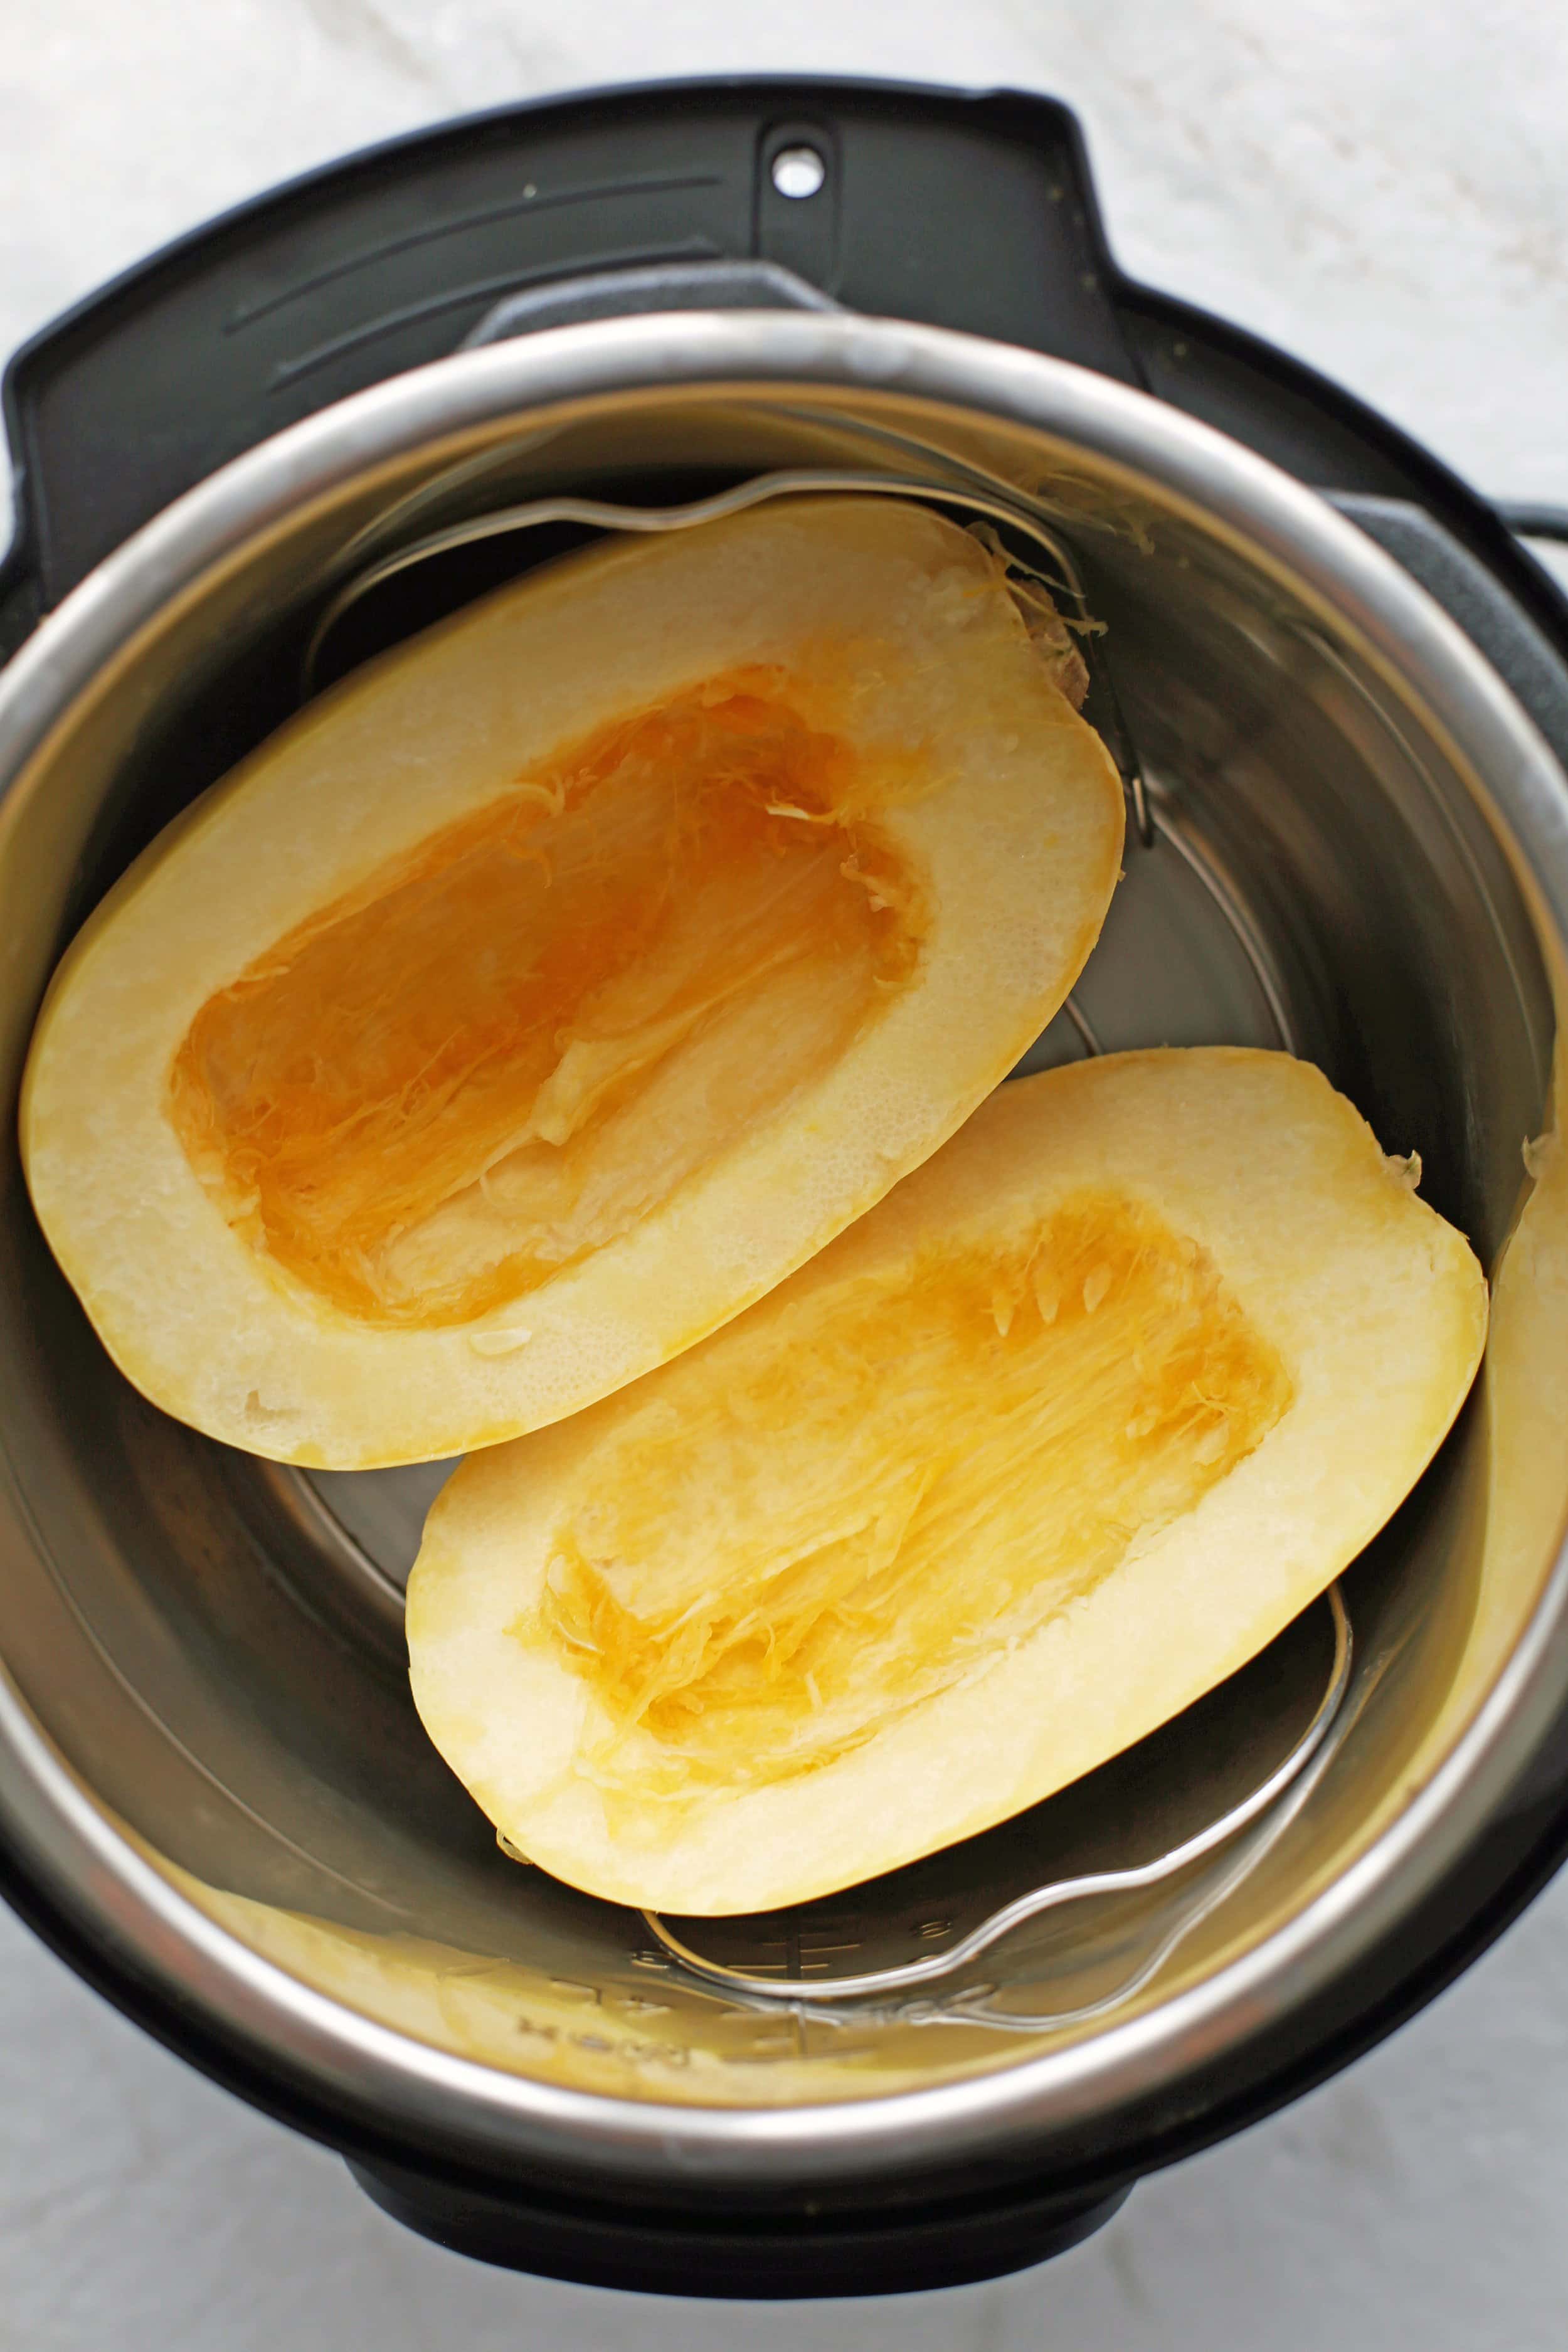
(1381,187)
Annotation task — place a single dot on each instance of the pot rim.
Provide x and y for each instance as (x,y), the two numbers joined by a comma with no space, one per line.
(346,2062)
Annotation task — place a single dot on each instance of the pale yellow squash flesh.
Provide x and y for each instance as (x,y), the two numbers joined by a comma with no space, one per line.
(546,993)
(1053,1439)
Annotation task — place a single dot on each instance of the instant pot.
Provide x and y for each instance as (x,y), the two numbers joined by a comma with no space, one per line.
(1337,684)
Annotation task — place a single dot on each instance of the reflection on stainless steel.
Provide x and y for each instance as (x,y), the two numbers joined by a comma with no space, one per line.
(1359,848)
(1233,909)
(1055,1895)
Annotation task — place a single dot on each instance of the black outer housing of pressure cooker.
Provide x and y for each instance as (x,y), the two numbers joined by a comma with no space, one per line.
(967,211)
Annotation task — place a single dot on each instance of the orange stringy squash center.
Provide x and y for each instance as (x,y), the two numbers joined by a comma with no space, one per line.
(512,1043)
(900,1480)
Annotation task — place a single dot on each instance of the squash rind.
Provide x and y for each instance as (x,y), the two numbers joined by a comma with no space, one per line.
(1375,1305)
(1019,833)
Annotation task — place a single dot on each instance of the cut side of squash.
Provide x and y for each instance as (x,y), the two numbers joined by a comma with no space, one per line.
(1056,1438)
(548,992)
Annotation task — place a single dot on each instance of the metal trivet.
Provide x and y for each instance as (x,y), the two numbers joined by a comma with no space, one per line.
(1052,1896)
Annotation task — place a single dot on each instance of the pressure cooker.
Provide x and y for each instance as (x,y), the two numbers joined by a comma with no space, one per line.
(1336,682)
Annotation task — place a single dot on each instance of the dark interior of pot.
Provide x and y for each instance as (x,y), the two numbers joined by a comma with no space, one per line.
(214,1642)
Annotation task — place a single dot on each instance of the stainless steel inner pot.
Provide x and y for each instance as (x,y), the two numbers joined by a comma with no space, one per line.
(208,1756)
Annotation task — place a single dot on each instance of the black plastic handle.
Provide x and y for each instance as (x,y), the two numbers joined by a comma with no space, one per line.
(972,212)
(782,2256)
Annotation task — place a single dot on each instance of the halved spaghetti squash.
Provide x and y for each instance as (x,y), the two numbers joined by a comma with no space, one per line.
(1057,1437)
(544,994)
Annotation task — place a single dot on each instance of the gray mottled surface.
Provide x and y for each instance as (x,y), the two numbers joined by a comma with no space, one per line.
(1380,185)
